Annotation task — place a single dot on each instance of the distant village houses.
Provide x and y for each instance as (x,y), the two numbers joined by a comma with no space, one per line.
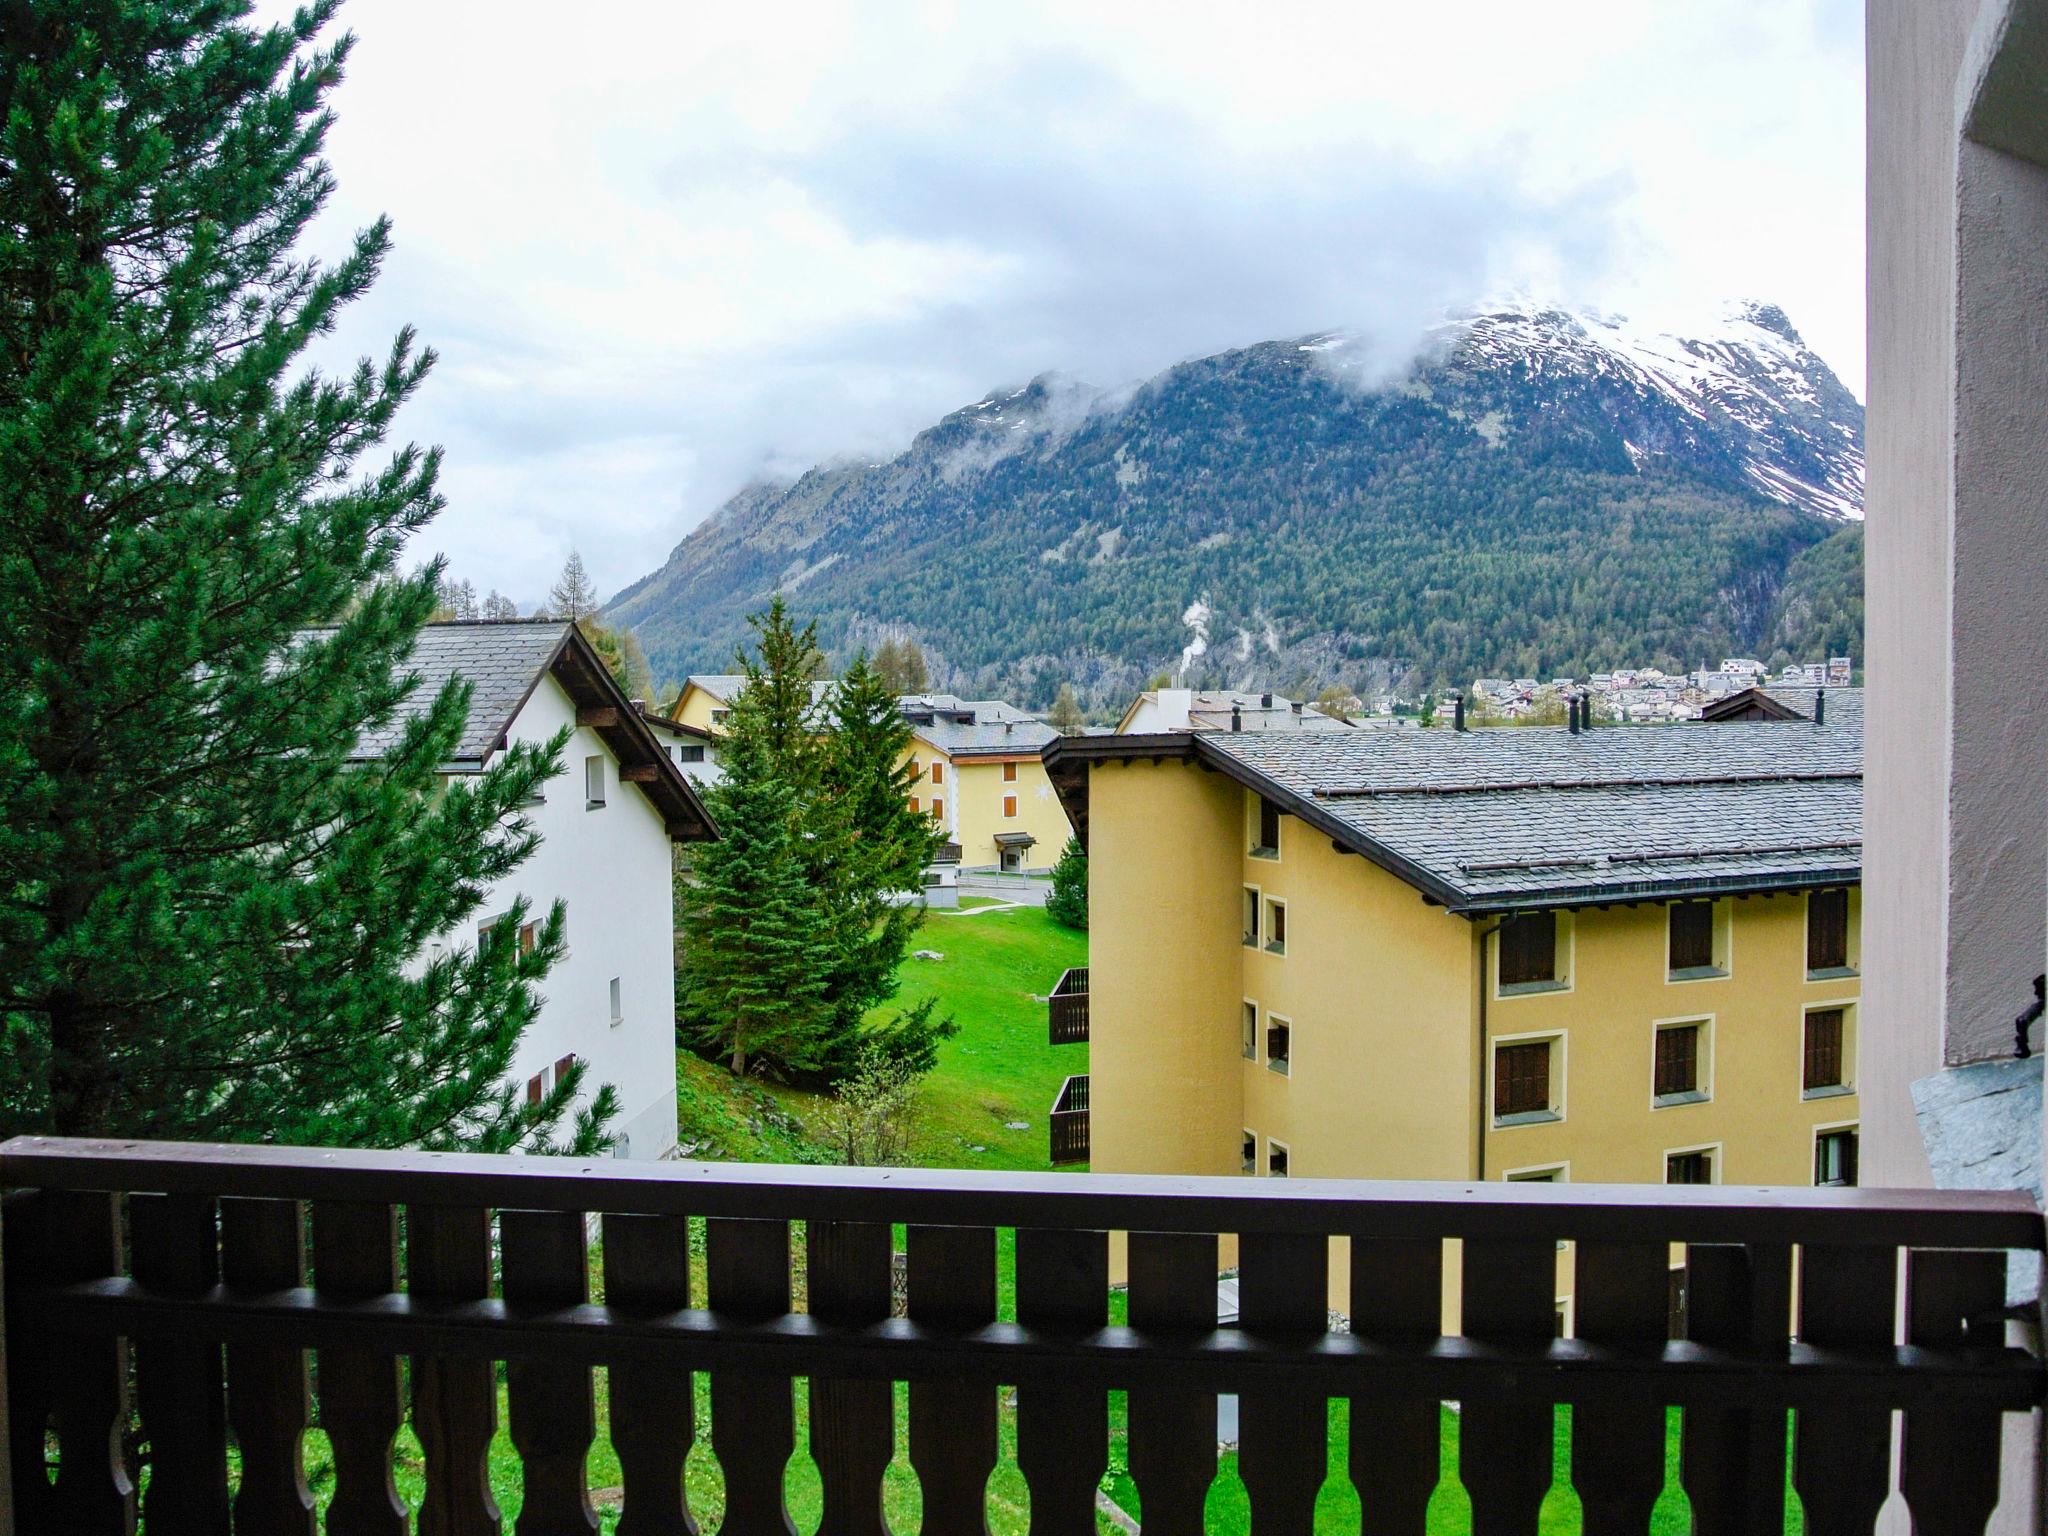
(1647,695)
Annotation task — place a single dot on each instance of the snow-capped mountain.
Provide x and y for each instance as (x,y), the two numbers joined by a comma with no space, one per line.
(1537,491)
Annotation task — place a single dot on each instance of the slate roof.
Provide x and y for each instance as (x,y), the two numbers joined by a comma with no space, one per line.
(1012,734)
(501,658)
(726,686)
(1844,705)
(1493,820)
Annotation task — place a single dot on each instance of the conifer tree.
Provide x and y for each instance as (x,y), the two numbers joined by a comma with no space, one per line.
(1066,716)
(211,914)
(1067,902)
(573,597)
(900,661)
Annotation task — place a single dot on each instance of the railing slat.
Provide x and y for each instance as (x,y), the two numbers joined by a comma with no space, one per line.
(653,1407)
(952,1284)
(1621,1296)
(454,1402)
(1062,1431)
(1283,1436)
(355,1256)
(1949,1456)
(1172,1434)
(263,1248)
(552,1408)
(77,1385)
(850,1267)
(753,1416)
(1732,1460)
(1842,1454)
(178,1381)
(1396,1299)
(1505,1447)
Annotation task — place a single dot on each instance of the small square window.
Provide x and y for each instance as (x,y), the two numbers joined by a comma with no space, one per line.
(1834,1157)
(593,782)
(1689,1167)
(694,753)
(1677,1073)
(618,1009)
(1276,1160)
(1279,1045)
(1276,927)
(1522,1079)
(1251,1152)
(1250,1041)
(1251,917)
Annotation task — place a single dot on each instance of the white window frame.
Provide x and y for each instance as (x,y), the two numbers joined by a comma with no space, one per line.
(1852,941)
(618,1001)
(1713,1149)
(1723,946)
(1704,1094)
(1852,1030)
(1252,1038)
(1560,1040)
(596,782)
(1252,1170)
(1282,1066)
(1258,937)
(1252,850)
(1823,1129)
(1273,1142)
(1266,928)
(1565,958)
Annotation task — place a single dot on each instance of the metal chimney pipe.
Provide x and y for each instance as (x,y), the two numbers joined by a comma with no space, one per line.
(1236,715)
(1571,710)
(1820,706)
(1457,710)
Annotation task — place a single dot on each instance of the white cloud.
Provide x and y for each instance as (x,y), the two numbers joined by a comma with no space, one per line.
(662,249)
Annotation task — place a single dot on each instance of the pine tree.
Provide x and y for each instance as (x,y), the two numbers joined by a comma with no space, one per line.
(1066,716)
(210,918)
(572,596)
(900,661)
(1067,902)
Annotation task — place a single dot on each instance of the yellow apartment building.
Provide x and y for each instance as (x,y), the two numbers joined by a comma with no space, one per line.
(1618,956)
(980,770)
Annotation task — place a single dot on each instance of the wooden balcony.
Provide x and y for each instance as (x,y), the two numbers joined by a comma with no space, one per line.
(1067,1125)
(1066,1008)
(352,1260)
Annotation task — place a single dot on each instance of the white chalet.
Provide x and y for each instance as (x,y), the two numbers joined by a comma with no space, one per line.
(605,823)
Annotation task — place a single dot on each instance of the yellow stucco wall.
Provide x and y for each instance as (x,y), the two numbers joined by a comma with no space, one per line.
(974,789)
(695,707)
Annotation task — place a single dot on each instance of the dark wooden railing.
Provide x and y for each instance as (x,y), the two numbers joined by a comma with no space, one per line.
(1067,1125)
(198,1258)
(1066,1009)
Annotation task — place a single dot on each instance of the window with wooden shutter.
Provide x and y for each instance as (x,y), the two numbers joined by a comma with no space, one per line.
(1521,1079)
(1251,917)
(938,773)
(1824,1065)
(1678,1060)
(1827,931)
(536,1088)
(1834,1157)
(1528,949)
(1009,773)
(1268,842)
(1692,935)
(1689,1168)
(563,1064)
(1276,927)
(1009,805)
(1278,1045)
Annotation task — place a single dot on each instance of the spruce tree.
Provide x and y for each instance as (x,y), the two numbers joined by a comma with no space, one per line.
(1067,902)
(212,917)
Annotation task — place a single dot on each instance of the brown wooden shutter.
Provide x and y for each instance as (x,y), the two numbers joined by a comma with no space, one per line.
(1521,1079)
(1692,935)
(1827,931)
(1269,824)
(1678,1060)
(1824,1048)
(1528,948)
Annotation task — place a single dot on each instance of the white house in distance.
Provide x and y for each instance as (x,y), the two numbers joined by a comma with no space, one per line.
(692,748)
(1221,709)
(606,823)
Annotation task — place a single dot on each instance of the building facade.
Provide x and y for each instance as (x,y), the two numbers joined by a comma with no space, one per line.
(606,825)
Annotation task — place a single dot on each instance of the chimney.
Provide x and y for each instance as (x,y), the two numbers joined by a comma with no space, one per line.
(1236,715)
(1457,709)
(1265,701)
(1174,705)
(1820,706)
(1571,713)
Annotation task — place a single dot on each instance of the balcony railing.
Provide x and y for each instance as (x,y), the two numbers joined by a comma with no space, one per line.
(1067,1125)
(460,1262)
(1066,1009)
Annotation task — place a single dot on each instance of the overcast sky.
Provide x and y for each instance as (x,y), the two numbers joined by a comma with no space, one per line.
(663,249)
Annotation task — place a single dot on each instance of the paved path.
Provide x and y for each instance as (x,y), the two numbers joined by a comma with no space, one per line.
(1001,906)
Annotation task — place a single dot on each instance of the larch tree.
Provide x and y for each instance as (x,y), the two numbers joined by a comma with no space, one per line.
(1066,716)
(213,907)
(572,596)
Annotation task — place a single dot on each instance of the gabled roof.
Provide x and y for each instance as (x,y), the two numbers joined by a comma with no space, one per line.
(726,686)
(1013,735)
(1840,706)
(503,660)
(1490,821)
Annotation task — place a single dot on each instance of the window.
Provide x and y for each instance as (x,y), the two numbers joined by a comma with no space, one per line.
(618,1011)
(694,753)
(915,805)
(1536,1175)
(1251,1152)
(537,1087)
(720,716)
(593,782)
(1521,1079)
(1694,1167)
(1834,1157)
(1009,773)
(1279,1038)
(1677,1073)
(1528,950)
(1251,917)
(1250,1041)
(1827,931)
(1693,947)
(1010,805)
(1276,1159)
(1276,927)
(938,808)
(1824,1069)
(1266,841)
(529,937)
(938,772)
